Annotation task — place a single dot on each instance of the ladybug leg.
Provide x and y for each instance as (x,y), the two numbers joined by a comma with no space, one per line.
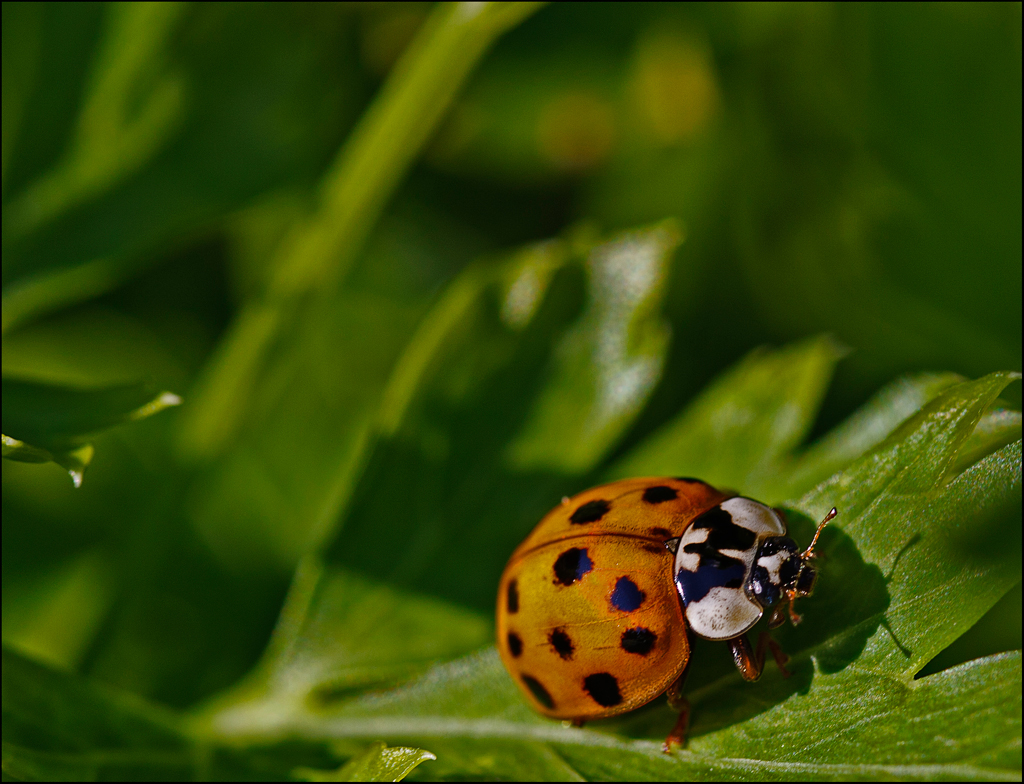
(781,659)
(749,663)
(794,618)
(677,737)
(676,701)
(578,722)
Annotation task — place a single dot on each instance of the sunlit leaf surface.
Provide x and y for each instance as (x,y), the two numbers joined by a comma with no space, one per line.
(851,709)
(897,586)
(419,272)
(739,431)
(377,763)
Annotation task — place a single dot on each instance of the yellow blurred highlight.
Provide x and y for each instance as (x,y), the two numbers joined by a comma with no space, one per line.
(576,131)
(674,87)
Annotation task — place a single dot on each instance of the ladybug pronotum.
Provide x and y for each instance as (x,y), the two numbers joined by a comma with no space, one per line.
(596,605)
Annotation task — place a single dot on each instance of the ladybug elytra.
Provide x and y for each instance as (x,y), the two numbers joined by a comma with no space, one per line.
(595,607)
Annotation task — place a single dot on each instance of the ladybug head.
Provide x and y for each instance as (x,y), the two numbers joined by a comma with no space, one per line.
(781,571)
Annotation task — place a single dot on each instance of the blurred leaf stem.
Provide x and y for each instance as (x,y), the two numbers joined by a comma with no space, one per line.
(117,131)
(319,249)
(133,105)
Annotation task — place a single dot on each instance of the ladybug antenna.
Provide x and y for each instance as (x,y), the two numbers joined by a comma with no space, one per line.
(809,552)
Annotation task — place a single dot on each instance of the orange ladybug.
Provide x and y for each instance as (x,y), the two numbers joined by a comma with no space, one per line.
(596,605)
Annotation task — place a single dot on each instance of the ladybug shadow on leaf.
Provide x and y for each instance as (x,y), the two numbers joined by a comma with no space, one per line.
(849,602)
(846,609)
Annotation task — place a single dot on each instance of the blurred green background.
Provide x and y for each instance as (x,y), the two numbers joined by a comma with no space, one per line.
(844,169)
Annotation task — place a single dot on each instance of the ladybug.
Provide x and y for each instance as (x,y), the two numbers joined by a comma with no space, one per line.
(596,606)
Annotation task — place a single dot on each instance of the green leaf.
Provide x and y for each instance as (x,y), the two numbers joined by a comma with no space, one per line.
(377,763)
(155,150)
(740,430)
(74,460)
(58,728)
(208,173)
(865,727)
(606,365)
(322,246)
(995,429)
(863,430)
(303,466)
(897,585)
(462,467)
(51,615)
(341,634)
(886,496)
(115,134)
(131,107)
(407,577)
(46,414)
(47,422)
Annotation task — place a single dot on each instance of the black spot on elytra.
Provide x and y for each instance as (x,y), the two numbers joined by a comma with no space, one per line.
(723,534)
(572,565)
(603,688)
(515,645)
(659,494)
(660,532)
(657,549)
(561,643)
(627,596)
(512,597)
(638,640)
(538,691)
(590,512)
